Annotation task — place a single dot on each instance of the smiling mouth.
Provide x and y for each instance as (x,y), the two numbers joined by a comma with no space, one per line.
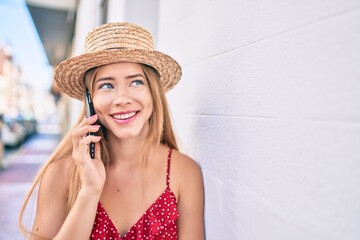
(124,116)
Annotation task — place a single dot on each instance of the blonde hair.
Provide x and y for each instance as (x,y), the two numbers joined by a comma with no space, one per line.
(160,132)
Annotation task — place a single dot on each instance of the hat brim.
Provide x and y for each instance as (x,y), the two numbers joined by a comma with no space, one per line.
(69,74)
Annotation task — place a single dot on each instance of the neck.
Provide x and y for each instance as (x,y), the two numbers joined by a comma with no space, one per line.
(129,151)
(126,151)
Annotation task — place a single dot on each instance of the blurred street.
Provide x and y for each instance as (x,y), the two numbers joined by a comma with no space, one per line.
(19,167)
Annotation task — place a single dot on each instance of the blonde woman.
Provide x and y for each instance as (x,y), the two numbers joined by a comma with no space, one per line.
(137,185)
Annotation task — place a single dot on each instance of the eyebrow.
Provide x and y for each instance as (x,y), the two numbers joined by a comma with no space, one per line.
(103,79)
(112,78)
(135,76)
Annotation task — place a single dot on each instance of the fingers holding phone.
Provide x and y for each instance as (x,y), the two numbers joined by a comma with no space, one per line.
(83,136)
(90,111)
(92,170)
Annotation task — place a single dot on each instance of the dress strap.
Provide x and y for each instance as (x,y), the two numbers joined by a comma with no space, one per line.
(168,168)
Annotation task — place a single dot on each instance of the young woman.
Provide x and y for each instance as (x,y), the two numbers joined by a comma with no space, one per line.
(138,185)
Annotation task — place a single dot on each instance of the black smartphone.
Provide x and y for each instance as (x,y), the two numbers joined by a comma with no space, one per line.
(89,112)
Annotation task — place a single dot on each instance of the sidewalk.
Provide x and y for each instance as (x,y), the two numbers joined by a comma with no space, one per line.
(20,166)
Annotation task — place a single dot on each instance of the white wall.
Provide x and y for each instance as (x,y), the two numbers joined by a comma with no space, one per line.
(143,13)
(269,106)
(116,10)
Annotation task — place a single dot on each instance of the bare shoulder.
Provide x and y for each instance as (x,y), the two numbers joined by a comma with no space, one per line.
(56,175)
(190,190)
(58,167)
(183,164)
(186,172)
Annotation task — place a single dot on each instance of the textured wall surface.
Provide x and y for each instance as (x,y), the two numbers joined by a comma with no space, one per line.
(269,105)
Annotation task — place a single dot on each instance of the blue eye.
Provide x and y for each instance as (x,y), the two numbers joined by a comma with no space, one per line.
(106,86)
(136,83)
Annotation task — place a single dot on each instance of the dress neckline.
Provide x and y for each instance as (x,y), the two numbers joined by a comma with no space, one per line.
(167,190)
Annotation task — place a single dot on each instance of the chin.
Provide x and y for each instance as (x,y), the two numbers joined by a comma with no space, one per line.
(128,134)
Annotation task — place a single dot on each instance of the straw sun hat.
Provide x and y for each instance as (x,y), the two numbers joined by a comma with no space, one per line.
(112,43)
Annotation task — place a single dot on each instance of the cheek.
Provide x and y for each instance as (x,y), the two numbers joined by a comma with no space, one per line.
(101,103)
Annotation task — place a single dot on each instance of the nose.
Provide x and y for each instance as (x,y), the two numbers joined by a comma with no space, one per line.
(122,97)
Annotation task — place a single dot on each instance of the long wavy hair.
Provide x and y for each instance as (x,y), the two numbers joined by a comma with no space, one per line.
(160,132)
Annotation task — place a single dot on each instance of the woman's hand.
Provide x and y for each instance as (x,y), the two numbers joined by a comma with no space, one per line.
(92,171)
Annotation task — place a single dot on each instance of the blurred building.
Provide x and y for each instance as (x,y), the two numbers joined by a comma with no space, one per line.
(9,80)
(16,102)
(16,95)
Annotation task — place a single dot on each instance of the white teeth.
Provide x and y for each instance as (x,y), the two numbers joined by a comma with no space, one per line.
(124,116)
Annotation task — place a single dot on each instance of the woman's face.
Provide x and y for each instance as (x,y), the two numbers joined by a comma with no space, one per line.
(122,99)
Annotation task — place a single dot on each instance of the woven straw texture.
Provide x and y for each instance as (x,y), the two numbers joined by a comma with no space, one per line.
(112,43)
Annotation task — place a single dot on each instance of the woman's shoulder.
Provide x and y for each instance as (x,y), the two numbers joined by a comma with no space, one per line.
(56,170)
(61,164)
(185,168)
(183,161)
(187,180)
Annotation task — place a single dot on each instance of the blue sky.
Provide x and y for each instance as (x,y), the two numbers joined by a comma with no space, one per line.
(18,31)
